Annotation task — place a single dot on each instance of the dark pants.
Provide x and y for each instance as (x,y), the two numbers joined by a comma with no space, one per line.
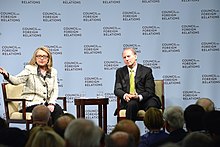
(133,106)
(58,111)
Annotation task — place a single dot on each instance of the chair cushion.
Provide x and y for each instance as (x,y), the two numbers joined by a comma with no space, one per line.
(18,115)
(122,113)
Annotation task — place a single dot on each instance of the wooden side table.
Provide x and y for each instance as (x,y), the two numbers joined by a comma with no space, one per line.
(102,109)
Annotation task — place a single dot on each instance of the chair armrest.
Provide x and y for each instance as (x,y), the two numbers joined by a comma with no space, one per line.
(63,98)
(8,100)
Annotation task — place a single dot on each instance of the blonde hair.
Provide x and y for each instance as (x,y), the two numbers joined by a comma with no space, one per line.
(44,136)
(50,59)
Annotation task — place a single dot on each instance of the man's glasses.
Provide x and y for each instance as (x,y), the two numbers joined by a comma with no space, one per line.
(41,56)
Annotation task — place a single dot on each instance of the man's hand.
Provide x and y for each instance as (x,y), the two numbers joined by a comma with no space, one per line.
(128,97)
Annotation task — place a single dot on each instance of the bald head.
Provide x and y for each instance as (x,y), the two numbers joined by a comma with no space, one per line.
(206,103)
(40,115)
(122,139)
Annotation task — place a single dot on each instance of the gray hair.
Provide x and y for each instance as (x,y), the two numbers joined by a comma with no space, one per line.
(174,116)
(82,133)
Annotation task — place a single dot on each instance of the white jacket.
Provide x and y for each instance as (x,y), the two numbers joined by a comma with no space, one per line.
(36,89)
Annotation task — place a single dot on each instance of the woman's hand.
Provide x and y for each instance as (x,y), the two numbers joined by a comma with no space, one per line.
(3,72)
(51,107)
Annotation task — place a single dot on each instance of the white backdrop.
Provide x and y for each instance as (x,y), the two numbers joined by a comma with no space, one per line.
(178,39)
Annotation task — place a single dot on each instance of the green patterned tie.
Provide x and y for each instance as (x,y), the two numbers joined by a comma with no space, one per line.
(132,84)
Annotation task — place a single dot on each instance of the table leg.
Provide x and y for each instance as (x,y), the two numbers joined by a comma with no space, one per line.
(105,117)
(78,111)
(100,115)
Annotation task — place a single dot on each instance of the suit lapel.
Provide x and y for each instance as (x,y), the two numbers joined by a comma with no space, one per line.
(138,74)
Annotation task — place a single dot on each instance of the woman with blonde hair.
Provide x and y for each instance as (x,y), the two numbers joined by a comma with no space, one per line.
(40,82)
(41,136)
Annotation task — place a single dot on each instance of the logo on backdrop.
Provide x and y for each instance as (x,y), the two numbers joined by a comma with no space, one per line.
(190,1)
(210,46)
(111,65)
(170,15)
(111,96)
(154,64)
(131,16)
(190,29)
(55,49)
(73,66)
(92,49)
(30,2)
(60,82)
(10,17)
(170,47)
(31,32)
(11,50)
(51,17)
(134,46)
(71,96)
(71,2)
(93,81)
(111,31)
(190,63)
(210,79)
(150,1)
(171,79)
(210,14)
(150,30)
(72,32)
(91,16)
(91,113)
(191,95)
(111,2)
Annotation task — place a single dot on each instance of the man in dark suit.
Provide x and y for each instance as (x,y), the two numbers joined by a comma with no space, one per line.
(143,96)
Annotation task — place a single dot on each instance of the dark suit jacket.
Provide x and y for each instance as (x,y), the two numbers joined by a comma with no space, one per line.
(144,83)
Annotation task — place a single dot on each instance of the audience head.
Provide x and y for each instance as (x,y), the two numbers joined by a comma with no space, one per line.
(62,122)
(174,119)
(47,137)
(130,127)
(40,115)
(194,115)
(212,121)
(120,139)
(82,133)
(206,103)
(153,119)
(197,139)
(3,123)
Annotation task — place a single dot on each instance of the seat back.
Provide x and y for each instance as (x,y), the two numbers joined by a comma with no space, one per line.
(12,92)
(159,91)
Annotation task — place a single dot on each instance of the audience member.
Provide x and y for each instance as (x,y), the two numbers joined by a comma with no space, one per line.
(82,133)
(206,103)
(41,116)
(62,122)
(120,139)
(130,127)
(153,121)
(44,136)
(12,136)
(197,139)
(174,122)
(194,115)
(212,121)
